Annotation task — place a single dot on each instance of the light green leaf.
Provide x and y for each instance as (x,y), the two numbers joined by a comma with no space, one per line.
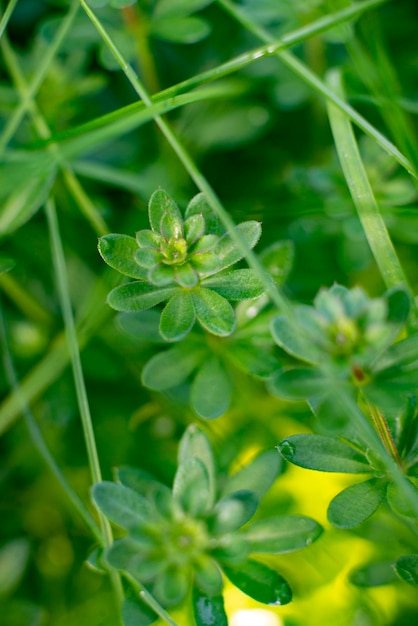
(148,239)
(186,275)
(138,296)
(198,206)
(236,285)
(293,341)
(118,251)
(299,384)
(258,476)
(211,389)
(171,225)
(260,582)
(194,228)
(399,503)
(177,29)
(147,258)
(282,534)
(205,262)
(170,368)
(195,444)
(326,454)
(170,8)
(227,250)
(208,609)
(214,313)
(407,568)
(233,511)
(171,586)
(14,557)
(159,204)
(357,503)
(191,487)
(122,505)
(208,576)
(178,317)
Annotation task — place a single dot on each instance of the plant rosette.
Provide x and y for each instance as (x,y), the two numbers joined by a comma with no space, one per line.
(183,262)
(188,537)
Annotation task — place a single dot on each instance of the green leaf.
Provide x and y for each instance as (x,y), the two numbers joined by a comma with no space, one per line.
(278,260)
(191,487)
(178,317)
(254,358)
(214,313)
(141,325)
(198,206)
(357,503)
(226,249)
(205,262)
(211,389)
(399,305)
(208,576)
(137,479)
(6,264)
(159,204)
(118,251)
(293,340)
(147,258)
(14,557)
(282,534)
(407,568)
(148,239)
(136,613)
(170,368)
(138,296)
(195,444)
(373,575)
(325,454)
(171,586)
(171,226)
(208,609)
(260,582)
(177,29)
(186,275)
(194,228)
(299,384)
(399,503)
(233,511)
(170,8)
(122,505)
(258,476)
(236,285)
(134,557)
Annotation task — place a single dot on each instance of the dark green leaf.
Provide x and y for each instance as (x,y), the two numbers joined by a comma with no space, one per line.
(407,568)
(177,29)
(195,444)
(278,260)
(227,250)
(211,389)
(325,454)
(373,575)
(170,8)
(118,251)
(214,313)
(191,487)
(357,503)
(136,613)
(291,339)
(121,505)
(6,264)
(208,609)
(178,317)
(282,534)
(170,368)
(138,296)
(260,582)
(258,476)
(236,285)
(399,304)
(159,204)
(233,511)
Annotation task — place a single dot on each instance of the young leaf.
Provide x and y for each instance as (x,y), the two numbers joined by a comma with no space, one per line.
(260,582)
(214,313)
(195,443)
(199,206)
(211,389)
(178,317)
(325,454)
(236,285)
(407,568)
(357,503)
(294,343)
(170,368)
(233,511)
(191,487)
(373,575)
(118,251)
(136,613)
(160,203)
(208,609)
(282,534)
(138,296)
(258,476)
(121,505)
(227,250)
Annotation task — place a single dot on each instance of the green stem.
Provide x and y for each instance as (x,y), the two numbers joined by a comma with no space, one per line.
(362,193)
(24,300)
(7,15)
(65,302)
(37,437)
(149,599)
(38,78)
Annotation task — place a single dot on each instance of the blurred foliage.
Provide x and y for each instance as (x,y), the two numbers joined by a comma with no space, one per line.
(266,147)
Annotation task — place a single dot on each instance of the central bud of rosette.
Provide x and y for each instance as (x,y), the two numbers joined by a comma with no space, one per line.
(174,251)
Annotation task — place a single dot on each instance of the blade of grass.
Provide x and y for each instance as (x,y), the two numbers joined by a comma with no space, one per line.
(37,437)
(361,191)
(7,15)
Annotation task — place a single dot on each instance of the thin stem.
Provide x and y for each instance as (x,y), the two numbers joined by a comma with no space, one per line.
(362,193)
(38,78)
(63,292)
(37,437)
(384,433)
(7,15)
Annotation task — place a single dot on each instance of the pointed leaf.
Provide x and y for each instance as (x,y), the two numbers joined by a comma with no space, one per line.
(299,384)
(287,336)
(138,296)
(373,575)
(325,454)
(136,613)
(118,251)
(260,582)
(233,511)
(227,250)
(407,568)
(236,285)
(211,389)
(214,313)
(178,317)
(258,476)
(159,204)
(208,609)
(170,368)
(195,443)
(121,505)
(198,205)
(357,503)
(282,534)
(191,487)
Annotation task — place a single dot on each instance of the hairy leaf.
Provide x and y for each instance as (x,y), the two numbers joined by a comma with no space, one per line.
(282,534)
(119,251)
(357,503)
